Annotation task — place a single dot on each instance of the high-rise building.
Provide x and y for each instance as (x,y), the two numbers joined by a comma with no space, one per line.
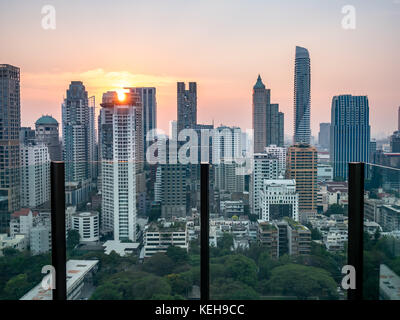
(350,132)
(280,153)
(265,166)
(35,175)
(302,96)
(267,120)
(10,125)
(324,135)
(149,111)
(227,143)
(187,106)
(228,177)
(118,164)
(76,142)
(171,184)
(278,199)
(302,160)
(46,131)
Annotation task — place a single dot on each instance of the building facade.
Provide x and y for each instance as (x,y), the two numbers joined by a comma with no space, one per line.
(350,132)
(302,167)
(118,164)
(47,133)
(279,199)
(10,124)
(187,106)
(265,166)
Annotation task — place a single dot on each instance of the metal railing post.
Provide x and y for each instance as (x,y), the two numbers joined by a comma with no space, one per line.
(58,243)
(204,233)
(356,226)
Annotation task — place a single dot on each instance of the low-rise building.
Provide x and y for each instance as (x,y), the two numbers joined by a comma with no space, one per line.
(158,236)
(17,242)
(87,224)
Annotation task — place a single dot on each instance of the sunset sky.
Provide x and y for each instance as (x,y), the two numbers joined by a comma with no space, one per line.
(222,45)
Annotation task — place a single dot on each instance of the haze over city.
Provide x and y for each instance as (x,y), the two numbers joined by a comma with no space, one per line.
(223,46)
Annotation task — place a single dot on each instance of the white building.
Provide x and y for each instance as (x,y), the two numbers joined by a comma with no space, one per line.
(226,144)
(280,153)
(278,199)
(118,157)
(40,239)
(35,175)
(87,224)
(264,167)
(158,236)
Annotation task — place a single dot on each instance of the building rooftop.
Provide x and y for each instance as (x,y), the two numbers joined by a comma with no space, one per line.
(46,119)
(259,84)
(121,248)
(76,271)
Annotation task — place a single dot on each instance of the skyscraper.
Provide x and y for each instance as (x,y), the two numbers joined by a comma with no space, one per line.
(398,119)
(187,105)
(46,131)
(76,141)
(267,120)
(302,96)
(301,166)
(149,110)
(324,135)
(350,132)
(118,164)
(10,124)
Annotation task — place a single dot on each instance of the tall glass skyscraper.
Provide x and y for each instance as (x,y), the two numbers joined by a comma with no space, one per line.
(10,124)
(302,96)
(350,132)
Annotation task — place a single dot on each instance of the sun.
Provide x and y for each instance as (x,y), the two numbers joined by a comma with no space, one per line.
(121,93)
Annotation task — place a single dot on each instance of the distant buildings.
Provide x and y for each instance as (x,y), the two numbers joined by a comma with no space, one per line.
(268,122)
(302,96)
(324,172)
(278,199)
(302,167)
(10,123)
(350,132)
(187,106)
(324,135)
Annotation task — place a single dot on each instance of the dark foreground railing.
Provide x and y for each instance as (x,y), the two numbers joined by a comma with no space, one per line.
(356,226)
(58,243)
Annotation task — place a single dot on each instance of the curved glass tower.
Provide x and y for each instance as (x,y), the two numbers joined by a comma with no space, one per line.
(302,96)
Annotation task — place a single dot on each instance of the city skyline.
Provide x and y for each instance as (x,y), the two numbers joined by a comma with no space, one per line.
(221,88)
